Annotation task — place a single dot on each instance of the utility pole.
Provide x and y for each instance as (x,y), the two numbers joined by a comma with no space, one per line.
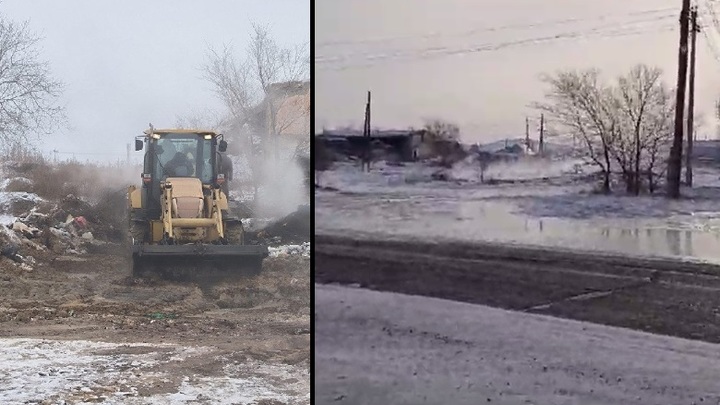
(694,29)
(541,141)
(527,132)
(675,158)
(366,134)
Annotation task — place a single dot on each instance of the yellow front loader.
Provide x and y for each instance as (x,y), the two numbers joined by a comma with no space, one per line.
(180,224)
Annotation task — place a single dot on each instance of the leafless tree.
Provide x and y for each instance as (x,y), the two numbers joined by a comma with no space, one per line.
(437,130)
(581,105)
(29,94)
(206,119)
(443,139)
(643,102)
(624,124)
(260,92)
(251,86)
(657,145)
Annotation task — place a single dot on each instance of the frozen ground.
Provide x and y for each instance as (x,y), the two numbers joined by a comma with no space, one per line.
(80,372)
(536,203)
(437,352)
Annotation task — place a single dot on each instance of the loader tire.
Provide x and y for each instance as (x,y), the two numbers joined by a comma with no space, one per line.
(138,232)
(234,233)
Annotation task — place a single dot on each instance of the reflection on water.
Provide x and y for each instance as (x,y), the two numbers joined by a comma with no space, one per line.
(493,220)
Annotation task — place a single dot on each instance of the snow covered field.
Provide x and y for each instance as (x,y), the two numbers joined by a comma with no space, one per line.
(82,372)
(441,352)
(539,203)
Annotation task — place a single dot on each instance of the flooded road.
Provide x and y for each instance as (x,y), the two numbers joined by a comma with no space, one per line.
(547,217)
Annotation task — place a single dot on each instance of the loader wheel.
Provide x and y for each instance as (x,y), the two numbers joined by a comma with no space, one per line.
(234,233)
(138,232)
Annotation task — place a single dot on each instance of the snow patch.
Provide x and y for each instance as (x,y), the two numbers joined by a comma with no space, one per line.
(6,182)
(84,372)
(285,250)
(7,219)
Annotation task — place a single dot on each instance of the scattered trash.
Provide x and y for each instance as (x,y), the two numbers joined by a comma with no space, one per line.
(80,222)
(161,315)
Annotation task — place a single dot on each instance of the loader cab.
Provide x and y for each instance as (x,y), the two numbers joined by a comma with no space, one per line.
(177,153)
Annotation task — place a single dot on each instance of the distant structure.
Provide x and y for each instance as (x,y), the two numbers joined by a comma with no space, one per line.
(392,145)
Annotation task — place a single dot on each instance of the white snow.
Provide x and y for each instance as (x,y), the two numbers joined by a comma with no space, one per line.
(6,182)
(7,219)
(303,250)
(8,198)
(375,347)
(254,224)
(33,370)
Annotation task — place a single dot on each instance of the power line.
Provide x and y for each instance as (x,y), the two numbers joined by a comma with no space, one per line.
(542,24)
(428,53)
(709,42)
(711,45)
(713,16)
(436,49)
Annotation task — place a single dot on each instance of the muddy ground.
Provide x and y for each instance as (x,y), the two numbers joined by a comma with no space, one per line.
(654,295)
(265,318)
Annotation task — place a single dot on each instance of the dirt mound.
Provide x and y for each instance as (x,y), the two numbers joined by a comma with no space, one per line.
(293,228)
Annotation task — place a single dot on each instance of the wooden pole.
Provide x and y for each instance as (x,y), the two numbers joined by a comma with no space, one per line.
(675,158)
(541,141)
(691,99)
(527,132)
(366,134)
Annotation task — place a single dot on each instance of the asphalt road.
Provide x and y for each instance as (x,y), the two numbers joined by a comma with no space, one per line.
(662,296)
(386,348)
(371,348)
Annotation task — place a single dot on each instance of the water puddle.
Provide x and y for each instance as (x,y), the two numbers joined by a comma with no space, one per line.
(683,233)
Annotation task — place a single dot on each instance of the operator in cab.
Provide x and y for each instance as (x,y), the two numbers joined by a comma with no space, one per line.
(179,166)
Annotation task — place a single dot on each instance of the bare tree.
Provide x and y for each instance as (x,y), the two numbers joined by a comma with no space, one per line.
(206,119)
(262,91)
(28,93)
(627,122)
(657,144)
(437,130)
(256,87)
(443,139)
(643,101)
(579,104)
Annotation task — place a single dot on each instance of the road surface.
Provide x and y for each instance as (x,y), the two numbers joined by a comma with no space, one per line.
(385,348)
(664,296)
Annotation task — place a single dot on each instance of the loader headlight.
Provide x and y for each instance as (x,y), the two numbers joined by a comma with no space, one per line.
(208,137)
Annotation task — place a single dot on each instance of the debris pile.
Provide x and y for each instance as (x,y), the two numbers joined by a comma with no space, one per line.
(69,227)
(290,233)
(293,228)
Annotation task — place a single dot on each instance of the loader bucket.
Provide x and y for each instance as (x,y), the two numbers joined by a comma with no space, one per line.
(197,262)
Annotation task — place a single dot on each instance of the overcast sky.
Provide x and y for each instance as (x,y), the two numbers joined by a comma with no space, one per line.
(421,58)
(129,63)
